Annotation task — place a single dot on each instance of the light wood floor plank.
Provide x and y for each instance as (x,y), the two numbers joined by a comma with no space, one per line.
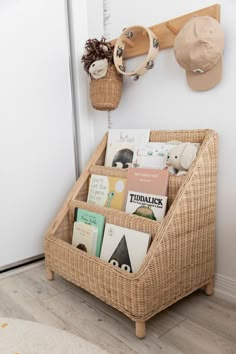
(85,320)
(107,327)
(40,288)
(9,308)
(159,324)
(37,277)
(122,327)
(13,291)
(197,324)
(209,314)
(190,338)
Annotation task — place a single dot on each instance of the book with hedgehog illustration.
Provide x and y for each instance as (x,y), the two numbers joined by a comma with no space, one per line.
(121,144)
(106,191)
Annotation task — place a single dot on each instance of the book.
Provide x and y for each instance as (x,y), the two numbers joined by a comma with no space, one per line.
(84,237)
(145,180)
(152,155)
(150,206)
(94,219)
(124,248)
(119,155)
(121,144)
(107,191)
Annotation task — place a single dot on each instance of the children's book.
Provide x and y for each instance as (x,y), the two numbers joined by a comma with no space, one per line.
(121,144)
(152,155)
(85,237)
(94,219)
(107,191)
(119,155)
(147,205)
(124,248)
(146,180)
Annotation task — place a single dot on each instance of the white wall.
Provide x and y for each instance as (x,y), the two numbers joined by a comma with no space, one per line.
(86,21)
(37,167)
(161,99)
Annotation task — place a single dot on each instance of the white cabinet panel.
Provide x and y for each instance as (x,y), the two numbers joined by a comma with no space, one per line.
(36,136)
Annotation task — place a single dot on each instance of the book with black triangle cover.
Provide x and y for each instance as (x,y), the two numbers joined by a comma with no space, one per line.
(121,256)
(124,248)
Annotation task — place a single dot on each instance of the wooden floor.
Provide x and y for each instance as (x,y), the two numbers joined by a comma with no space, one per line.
(196,325)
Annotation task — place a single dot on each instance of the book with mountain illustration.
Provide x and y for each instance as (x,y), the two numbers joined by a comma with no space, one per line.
(124,248)
(107,191)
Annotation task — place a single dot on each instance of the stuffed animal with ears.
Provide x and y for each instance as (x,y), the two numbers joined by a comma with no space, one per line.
(181,157)
(97,57)
(98,68)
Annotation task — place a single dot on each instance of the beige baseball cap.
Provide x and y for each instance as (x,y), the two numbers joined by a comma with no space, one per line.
(198,48)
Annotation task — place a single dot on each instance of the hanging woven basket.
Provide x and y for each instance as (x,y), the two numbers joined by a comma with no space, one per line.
(105,93)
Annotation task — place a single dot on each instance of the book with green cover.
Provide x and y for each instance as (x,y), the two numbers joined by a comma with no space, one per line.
(97,220)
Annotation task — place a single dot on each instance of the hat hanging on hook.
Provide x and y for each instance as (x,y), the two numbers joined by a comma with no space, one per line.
(198,48)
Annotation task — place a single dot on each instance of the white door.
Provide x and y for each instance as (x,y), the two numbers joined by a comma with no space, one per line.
(36,137)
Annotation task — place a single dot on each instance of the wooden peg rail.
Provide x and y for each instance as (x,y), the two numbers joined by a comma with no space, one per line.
(166,32)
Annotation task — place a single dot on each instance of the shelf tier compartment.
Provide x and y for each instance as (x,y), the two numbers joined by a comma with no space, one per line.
(173,184)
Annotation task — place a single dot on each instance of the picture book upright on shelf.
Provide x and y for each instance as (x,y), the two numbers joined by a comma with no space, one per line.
(181,257)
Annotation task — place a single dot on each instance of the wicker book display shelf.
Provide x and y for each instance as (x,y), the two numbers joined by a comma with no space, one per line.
(180,259)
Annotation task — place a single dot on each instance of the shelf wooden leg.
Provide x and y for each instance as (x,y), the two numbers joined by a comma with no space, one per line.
(209,288)
(140,329)
(50,274)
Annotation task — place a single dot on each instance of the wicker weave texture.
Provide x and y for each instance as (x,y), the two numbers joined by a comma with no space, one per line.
(181,257)
(105,93)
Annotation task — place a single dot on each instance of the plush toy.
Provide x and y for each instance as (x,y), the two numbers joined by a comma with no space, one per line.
(181,157)
(98,68)
(97,57)
(105,82)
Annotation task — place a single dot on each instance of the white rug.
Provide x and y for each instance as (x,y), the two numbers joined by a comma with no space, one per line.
(25,337)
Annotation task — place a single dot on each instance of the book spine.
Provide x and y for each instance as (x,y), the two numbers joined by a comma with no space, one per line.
(99,239)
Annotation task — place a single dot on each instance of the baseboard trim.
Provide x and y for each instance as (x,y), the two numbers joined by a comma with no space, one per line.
(21,263)
(225,288)
(21,268)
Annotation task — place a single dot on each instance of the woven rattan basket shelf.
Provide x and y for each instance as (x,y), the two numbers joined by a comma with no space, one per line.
(181,257)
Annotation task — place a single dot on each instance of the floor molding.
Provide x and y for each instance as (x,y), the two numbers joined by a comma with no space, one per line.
(21,269)
(225,288)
